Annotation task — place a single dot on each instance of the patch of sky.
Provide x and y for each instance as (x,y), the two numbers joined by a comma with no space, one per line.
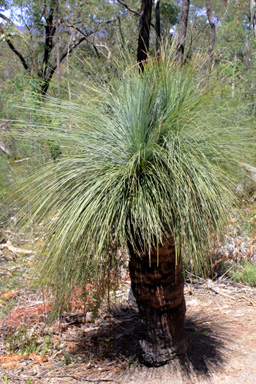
(199,12)
(13,14)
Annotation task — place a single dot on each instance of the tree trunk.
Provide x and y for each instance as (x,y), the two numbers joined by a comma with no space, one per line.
(213,30)
(183,29)
(157,26)
(253,15)
(158,288)
(57,44)
(144,32)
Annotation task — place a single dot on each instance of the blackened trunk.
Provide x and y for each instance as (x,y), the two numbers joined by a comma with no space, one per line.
(158,287)
(144,32)
(157,26)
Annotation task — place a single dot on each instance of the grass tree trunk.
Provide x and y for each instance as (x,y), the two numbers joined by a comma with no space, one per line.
(158,287)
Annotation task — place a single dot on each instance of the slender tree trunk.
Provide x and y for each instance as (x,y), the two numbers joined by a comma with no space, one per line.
(157,26)
(158,287)
(213,30)
(57,44)
(233,79)
(183,29)
(253,15)
(144,32)
(121,33)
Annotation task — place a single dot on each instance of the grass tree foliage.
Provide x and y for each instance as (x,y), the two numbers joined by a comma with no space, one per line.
(149,163)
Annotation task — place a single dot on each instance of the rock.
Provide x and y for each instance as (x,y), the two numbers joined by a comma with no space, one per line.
(249,179)
(250,170)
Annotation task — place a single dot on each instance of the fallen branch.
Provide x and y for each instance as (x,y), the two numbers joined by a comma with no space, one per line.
(21,160)
(250,302)
(15,250)
(219,291)
(9,376)
(79,378)
(232,266)
(25,377)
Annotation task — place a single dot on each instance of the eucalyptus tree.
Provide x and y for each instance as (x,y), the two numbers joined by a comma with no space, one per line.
(149,163)
(230,26)
(50,31)
(213,28)
(253,16)
(183,24)
(144,32)
(158,25)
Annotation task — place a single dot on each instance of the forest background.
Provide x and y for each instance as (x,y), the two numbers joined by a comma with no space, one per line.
(52,52)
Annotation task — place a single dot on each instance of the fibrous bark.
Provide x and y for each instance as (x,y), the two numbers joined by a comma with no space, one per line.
(158,287)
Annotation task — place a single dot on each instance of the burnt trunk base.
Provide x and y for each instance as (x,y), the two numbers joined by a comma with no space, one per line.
(158,288)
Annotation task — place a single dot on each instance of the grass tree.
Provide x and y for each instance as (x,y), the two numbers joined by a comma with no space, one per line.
(150,164)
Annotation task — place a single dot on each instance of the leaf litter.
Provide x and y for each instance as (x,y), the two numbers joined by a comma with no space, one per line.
(220,324)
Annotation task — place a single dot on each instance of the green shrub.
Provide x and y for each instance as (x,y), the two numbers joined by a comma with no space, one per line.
(246,274)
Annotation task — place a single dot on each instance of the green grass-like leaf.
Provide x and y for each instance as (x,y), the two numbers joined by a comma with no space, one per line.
(246,274)
(145,156)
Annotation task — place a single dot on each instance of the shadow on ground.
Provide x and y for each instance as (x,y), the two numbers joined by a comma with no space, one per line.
(117,341)
(208,351)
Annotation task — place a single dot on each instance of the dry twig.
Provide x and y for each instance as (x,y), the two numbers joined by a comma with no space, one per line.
(17,251)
